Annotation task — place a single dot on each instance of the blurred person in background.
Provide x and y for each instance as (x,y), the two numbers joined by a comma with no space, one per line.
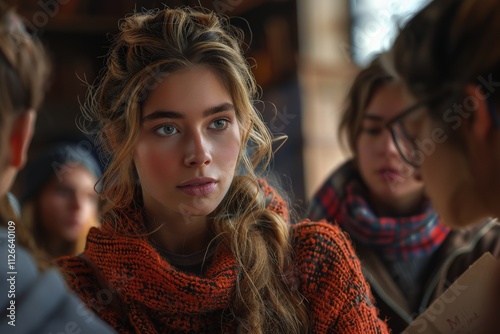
(59,203)
(409,256)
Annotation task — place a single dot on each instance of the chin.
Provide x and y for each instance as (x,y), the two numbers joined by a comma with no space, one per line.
(390,194)
(197,209)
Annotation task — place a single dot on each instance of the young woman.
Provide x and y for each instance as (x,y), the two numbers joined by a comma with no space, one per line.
(58,198)
(408,255)
(32,301)
(192,240)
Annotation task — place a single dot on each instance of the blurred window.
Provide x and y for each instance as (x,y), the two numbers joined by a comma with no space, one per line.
(375,24)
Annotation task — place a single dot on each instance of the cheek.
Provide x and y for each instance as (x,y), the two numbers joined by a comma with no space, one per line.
(152,162)
(52,201)
(90,208)
(364,154)
(228,152)
(52,208)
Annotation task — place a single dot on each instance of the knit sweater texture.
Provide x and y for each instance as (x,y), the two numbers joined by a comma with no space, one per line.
(129,285)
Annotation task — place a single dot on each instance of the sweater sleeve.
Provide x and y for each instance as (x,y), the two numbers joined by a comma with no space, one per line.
(339,299)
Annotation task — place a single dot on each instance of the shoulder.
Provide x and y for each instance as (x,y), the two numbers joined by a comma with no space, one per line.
(325,201)
(483,237)
(80,277)
(87,281)
(322,239)
(41,297)
(472,242)
(50,306)
(330,278)
(337,180)
(17,259)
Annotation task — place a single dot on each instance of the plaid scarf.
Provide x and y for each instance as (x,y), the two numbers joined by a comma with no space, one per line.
(342,199)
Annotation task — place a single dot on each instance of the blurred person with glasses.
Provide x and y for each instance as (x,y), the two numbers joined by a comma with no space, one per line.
(448,58)
(450,129)
(408,255)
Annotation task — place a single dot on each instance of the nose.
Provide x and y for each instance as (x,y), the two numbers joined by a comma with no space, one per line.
(76,201)
(197,150)
(387,145)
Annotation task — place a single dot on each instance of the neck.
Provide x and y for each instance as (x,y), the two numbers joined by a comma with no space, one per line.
(407,205)
(183,236)
(60,248)
(467,207)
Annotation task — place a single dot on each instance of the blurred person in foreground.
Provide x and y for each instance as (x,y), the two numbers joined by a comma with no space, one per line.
(33,297)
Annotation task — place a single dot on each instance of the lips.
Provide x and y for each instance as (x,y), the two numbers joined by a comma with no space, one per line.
(388,170)
(198,186)
(73,222)
(389,173)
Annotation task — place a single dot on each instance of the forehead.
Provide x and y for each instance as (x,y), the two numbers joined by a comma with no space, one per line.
(387,101)
(187,90)
(74,174)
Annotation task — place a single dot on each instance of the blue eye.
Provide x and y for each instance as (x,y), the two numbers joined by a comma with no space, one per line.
(219,124)
(166,130)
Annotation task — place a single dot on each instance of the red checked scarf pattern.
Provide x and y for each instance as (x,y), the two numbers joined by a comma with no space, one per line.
(341,200)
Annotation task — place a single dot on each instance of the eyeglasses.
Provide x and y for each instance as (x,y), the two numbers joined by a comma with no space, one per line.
(406,143)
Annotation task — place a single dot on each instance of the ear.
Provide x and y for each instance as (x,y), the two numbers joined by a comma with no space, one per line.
(20,138)
(480,122)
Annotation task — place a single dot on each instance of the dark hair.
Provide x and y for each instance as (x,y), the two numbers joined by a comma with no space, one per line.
(366,83)
(50,163)
(449,44)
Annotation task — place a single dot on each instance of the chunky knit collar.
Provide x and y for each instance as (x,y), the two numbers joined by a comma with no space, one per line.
(149,289)
(126,260)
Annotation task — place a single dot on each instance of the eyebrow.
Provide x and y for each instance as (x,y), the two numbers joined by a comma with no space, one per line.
(372,117)
(158,114)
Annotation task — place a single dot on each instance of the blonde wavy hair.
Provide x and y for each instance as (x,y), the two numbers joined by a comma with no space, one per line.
(149,46)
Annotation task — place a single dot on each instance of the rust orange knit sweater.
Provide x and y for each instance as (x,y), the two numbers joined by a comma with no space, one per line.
(126,282)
